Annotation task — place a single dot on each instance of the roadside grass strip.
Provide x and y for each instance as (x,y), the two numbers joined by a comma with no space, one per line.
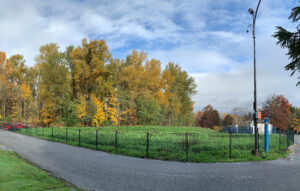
(18,174)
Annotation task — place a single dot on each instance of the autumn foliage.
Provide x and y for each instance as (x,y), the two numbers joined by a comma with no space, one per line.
(280,115)
(86,85)
(208,118)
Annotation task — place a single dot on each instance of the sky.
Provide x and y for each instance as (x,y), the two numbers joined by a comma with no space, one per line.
(207,38)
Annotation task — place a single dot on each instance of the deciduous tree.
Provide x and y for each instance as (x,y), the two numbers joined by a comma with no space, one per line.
(280,115)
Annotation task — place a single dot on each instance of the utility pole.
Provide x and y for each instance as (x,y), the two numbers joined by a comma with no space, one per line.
(256,151)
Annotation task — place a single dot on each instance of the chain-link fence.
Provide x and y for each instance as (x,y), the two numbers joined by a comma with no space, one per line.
(193,147)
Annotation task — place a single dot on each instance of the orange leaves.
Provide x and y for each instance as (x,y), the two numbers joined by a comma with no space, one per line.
(283,103)
(280,112)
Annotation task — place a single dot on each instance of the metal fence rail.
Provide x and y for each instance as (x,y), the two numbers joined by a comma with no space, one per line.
(192,147)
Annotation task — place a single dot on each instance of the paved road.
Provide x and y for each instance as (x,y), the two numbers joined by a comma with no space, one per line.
(95,170)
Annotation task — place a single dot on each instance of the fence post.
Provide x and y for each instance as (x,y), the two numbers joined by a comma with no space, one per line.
(147,146)
(116,141)
(36,131)
(43,131)
(187,147)
(289,135)
(97,139)
(258,138)
(279,141)
(230,143)
(79,137)
(66,135)
(52,133)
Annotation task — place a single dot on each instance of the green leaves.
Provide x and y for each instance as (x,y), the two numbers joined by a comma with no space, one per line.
(291,41)
(295,14)
(85,85)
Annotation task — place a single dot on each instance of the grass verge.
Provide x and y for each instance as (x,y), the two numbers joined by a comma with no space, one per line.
(18,174)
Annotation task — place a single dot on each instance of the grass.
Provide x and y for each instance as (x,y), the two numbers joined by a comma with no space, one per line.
(167,143)
(17,174)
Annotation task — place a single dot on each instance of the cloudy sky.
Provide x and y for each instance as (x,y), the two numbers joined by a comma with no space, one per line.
(207,38)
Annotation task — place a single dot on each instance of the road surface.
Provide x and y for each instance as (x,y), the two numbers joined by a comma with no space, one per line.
(96,170)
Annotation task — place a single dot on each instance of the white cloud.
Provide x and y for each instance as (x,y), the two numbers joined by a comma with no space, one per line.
(234,88)
(205,37)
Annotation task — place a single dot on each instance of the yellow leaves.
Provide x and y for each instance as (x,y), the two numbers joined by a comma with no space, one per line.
(81,108)
(112,111)
(99,117)
(2,57)
(161,98)
(133,76)
(89,71)
(48,113)
(129,116)
(103,111)
(25,91)
(295,124)
(153,73)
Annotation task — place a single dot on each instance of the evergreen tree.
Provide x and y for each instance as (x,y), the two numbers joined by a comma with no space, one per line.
(291,40)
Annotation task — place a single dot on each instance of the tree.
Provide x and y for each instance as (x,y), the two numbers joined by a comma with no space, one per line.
(178,88)
(3,85)
(198,118)
(228,120)
(85,84)
(81,109)
(53,84)
(210,117)
(26,95)
(148,112)
(295,119)
(69,115)
(88,69)
(280,115)
(112,111)
(99,116)
(240,116)
(291,41)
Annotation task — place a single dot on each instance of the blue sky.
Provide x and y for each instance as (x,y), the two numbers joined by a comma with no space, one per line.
(207,38)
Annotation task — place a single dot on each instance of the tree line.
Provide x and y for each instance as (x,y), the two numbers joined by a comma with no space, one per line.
(85,85)
(283,115)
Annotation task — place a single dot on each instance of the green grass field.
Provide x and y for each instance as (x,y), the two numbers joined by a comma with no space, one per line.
(17,174)
(166,143)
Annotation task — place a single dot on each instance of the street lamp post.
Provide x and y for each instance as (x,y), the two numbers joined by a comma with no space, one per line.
(256,151)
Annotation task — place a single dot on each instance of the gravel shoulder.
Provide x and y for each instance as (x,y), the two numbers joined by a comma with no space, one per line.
(96,170)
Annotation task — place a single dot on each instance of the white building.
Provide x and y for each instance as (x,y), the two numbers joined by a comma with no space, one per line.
(261,128)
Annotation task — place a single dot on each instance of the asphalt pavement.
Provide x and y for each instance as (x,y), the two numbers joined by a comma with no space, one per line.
(96,170)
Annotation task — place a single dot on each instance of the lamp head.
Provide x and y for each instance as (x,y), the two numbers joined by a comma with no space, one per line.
(251,11)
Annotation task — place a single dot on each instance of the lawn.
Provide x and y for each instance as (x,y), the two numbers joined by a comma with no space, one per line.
(191,144)
(17,174)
